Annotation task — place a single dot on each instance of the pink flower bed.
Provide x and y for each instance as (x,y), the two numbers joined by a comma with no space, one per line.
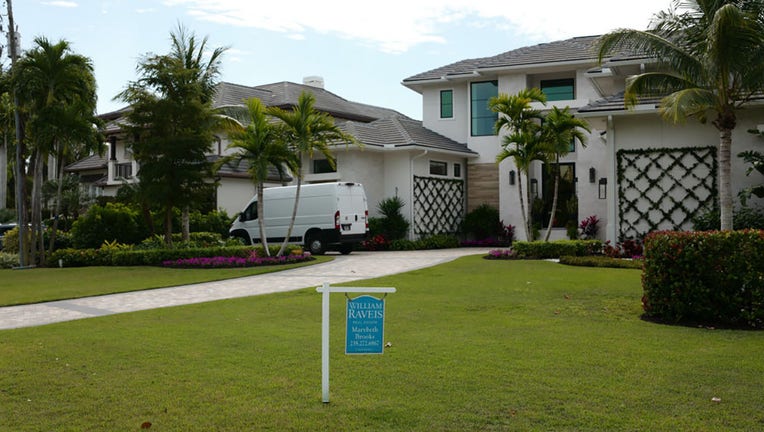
(229,262)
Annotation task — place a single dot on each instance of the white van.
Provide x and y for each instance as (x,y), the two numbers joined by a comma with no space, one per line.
(330,216)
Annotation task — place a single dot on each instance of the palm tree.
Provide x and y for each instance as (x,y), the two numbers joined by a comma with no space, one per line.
(522,142)
(713,53)
(172,122)
(309,131)
(558,131)
(57,92)
(260,144)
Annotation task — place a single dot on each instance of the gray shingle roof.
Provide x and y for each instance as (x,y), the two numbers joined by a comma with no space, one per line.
(401,131)
(238,169)
(570,50)
(89,163)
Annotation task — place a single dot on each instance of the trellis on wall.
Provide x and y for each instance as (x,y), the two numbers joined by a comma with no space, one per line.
(438,205)
(663,189)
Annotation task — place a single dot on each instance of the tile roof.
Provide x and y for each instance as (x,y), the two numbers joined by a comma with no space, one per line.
(580,48)
(89,163)
(239,170)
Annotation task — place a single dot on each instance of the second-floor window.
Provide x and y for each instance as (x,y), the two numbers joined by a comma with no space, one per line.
(322,166)
(558,89)
(483,119)
(446,104)
(124,170)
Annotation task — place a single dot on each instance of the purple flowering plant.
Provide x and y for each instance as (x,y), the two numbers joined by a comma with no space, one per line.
(233,261)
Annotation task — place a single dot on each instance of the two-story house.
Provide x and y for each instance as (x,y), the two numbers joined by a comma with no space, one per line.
(397,156)
(637,173)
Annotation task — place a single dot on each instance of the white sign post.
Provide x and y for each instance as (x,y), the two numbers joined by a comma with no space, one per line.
(326,290)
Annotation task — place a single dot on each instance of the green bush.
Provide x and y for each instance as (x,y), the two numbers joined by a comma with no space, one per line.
(8,260)
(556,249)
(215,222)
(392,225)
(7,215)
(710,278)
(438,241)
(80,257)
(600,261)
(196,240)
(481,223)
(112,222)
(744,217)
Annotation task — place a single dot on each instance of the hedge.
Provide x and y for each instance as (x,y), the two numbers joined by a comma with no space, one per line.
(601,261)
(556,249)
(711,278)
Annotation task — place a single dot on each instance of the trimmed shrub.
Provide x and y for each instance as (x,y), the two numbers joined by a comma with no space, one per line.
(112,222)
(481,223)
(709,278)
(392,225)
(80,257)
(438,241)
(601,261)
(744,217)
(8,260)
(556,249)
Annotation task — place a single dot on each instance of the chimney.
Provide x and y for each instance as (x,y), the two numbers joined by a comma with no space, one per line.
(314,81)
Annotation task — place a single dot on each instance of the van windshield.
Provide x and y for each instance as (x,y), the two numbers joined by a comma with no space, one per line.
(250,213)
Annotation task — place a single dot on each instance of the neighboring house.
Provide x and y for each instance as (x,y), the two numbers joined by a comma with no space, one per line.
(397,157)
(637,173)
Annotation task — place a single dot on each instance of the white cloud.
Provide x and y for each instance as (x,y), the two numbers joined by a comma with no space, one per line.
(397,25)
(61,3)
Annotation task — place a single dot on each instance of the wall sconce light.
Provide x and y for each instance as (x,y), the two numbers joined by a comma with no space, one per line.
(512,177)
(603,188)
(592,175)
(535,188)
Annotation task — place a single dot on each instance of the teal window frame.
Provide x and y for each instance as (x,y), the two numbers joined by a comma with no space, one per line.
(482,119)
(559,89)
(446,104)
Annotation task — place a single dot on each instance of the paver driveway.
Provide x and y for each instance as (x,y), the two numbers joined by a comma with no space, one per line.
(344,268)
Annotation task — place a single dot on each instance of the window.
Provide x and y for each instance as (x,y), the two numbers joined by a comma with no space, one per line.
(558,89)
(322,166)
(457,170)
(438,168)
(483,119)
(446,104)
(124,170)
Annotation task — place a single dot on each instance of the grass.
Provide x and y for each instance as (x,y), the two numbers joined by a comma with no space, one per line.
(476,345)
(47,284)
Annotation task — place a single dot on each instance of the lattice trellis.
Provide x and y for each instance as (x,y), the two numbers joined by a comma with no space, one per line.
(438,205)
(663,189)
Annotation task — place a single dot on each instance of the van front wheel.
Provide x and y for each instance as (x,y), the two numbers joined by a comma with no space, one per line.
(315,244)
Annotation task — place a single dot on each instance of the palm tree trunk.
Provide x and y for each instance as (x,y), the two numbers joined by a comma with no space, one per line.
(554,201)
(59,198)
(4,171)
(168,227)
(37,210)
(725,186)
(261,219)
(294,215)
(522,204)
(185,222)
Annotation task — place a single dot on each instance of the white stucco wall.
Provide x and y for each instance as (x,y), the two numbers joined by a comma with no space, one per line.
(234,194)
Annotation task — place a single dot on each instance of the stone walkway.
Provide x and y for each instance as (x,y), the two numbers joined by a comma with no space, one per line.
(344,268)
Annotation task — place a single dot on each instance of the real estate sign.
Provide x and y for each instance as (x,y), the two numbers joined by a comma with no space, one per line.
(365,319)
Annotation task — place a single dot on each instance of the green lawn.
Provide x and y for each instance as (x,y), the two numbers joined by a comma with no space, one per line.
(47,284)
(476,345)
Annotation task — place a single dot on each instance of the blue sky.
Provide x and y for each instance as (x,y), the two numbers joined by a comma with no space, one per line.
(362,49)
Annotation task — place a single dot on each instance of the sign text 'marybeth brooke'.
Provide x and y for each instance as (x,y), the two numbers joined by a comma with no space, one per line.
(365,325)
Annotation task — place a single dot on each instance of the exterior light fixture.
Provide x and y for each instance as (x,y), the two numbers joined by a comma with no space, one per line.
(535,188)
(603,188)
(592,175)
(512,177)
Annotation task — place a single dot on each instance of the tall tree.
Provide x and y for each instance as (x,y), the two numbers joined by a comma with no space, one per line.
(56,89)
(259,143)
(712,53)
(308,131)
(172,122)
(522,141)
(558,131)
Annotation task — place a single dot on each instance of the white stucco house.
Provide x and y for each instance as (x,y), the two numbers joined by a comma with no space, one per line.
(637,173)
(398,157)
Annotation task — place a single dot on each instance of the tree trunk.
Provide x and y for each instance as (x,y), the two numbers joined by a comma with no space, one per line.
(168,227)
(4,171)
(261,220)
(725,185)
(37,211)
(522,205)
(294,216)
(59,198)
(554,201)
(185,224)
